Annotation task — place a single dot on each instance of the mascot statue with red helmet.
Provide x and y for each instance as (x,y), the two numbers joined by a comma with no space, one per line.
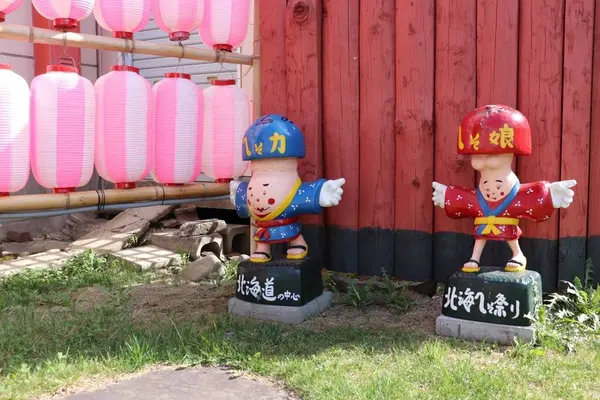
(494,304)
(493,135)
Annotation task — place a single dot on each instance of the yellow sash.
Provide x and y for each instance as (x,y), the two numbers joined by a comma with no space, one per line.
(490,223)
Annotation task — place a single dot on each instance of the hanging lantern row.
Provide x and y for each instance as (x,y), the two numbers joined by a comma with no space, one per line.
(222,24)
(64,125)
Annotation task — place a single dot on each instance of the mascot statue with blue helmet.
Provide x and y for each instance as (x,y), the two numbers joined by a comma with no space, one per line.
(275,196)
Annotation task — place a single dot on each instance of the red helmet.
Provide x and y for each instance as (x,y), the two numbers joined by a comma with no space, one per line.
(494,129)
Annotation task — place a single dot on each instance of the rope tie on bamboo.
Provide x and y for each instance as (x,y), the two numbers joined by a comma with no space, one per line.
(101,199)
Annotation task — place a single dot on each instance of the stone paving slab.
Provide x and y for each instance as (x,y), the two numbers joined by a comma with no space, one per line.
(187,384)
(48,259)
(145,258)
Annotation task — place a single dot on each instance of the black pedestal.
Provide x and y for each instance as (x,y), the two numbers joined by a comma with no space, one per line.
(493,296)
(279,282)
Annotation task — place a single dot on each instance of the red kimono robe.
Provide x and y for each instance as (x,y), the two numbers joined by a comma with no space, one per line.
(500,220)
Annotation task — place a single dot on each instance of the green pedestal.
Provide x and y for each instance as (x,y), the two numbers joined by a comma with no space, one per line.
(493,296)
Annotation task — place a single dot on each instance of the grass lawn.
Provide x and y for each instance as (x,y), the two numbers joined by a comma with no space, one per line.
(95,321)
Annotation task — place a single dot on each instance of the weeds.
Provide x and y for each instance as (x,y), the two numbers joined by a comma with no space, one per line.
(572,317)
(389,294)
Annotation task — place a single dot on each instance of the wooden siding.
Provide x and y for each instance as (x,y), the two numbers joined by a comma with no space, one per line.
(394,78)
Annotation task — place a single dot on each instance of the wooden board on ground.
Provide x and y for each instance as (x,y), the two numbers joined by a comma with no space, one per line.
(122,230)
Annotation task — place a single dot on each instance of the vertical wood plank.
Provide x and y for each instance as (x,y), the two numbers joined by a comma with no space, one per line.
(497,65)
(303,43)
(497,51)
(415,71)
(273,67)
(455,91)
(45,54)
(341,128)
(377,141)
(576,120)
(540,99)
(593,245)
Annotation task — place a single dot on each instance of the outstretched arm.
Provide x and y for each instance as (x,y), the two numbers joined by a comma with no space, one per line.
(457,201)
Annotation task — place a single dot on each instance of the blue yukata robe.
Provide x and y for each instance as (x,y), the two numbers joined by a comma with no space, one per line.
(305,201)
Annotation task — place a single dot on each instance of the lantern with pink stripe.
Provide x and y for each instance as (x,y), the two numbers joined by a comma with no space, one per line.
(8,6)
(178,17)
(226,119)
(14,131)
(124,126)
(63,110)
(64,13)
(178,111)
(225,23)
(122,17)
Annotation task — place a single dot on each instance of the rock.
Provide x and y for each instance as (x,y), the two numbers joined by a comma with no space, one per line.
(27,248)
(209,267)
(19,237)
(236,239)
(56,236)
(186,213)
(48,259)
(238,257)
(193,246)
(122,230)
(85,228)
(169,224)
(202,227)
(145,258)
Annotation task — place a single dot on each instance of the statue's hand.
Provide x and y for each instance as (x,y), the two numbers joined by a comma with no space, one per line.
(233,185)
(439,194)
(561,193)
(331,193)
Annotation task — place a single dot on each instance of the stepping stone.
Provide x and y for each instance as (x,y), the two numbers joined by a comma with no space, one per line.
(187,384)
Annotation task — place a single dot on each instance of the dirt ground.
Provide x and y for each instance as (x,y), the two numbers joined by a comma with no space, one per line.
(189,301)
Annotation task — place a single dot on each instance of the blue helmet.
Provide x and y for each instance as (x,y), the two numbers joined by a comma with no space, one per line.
(273,136)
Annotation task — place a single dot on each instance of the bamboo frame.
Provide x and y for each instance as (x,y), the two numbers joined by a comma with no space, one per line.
(46,36)
(255,89)
(92,198)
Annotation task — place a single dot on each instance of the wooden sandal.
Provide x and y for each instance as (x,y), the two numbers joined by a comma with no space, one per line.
(254,259)
(297,256)
(471,269)
(521,267)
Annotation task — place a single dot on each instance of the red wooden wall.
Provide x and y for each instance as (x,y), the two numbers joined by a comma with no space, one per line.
(379,88)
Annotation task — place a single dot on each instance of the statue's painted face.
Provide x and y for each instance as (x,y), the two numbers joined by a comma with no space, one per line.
(495,170)
(270,184)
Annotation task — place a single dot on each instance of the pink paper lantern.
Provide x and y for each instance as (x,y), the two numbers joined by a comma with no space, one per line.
(14,131)
(124,126)
(179,110)
(63,111)
(64,13)
(226,119)
(8,6)
(225,23)
(178,17)
(122,17)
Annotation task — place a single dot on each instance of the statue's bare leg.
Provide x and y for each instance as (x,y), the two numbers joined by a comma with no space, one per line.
(518,262)
(473,264)
(262,253)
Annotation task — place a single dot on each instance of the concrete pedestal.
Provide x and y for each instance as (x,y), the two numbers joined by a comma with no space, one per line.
(281,290)
(483,331)
(285,314)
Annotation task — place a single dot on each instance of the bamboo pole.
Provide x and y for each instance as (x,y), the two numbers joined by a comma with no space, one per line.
(255,91)
(71,39)
(92,198)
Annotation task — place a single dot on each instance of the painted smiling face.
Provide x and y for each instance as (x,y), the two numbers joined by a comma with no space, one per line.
(497,178)
(270,184)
